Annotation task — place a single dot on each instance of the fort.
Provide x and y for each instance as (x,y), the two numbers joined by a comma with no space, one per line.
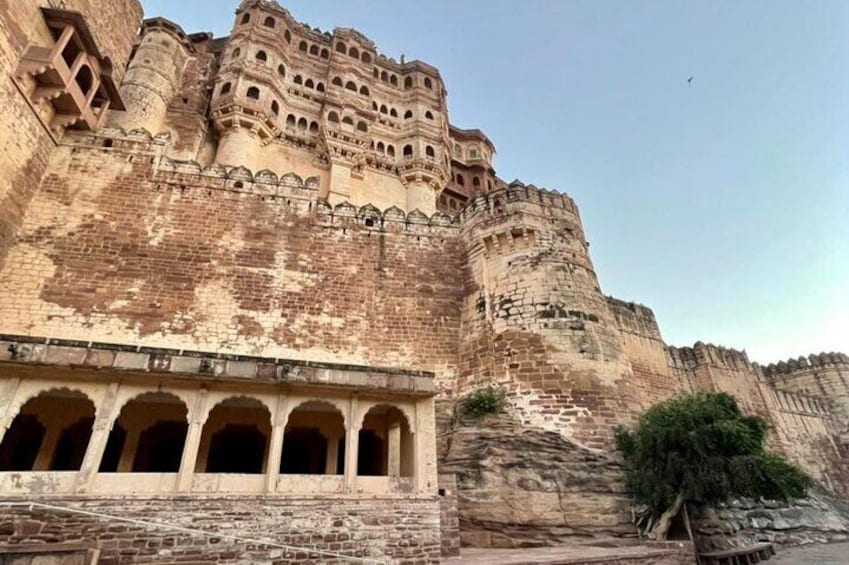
(246,282)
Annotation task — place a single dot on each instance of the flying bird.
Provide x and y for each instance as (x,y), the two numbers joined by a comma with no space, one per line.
(690,80)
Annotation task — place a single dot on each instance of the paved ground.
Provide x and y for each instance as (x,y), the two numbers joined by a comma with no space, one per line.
(568,555)
(827,554)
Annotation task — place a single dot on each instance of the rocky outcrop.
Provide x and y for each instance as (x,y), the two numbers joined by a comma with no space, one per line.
(520,486)
(819,519)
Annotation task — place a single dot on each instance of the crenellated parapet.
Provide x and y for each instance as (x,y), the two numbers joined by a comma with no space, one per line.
(392,220)
(811,362)
(702,354)
(634,318)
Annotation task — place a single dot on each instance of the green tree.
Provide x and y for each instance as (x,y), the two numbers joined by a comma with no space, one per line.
(700,448)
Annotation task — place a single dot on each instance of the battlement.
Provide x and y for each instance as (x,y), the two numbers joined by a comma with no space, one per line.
(813,361)
(702,354)
(634,318)
(496,202)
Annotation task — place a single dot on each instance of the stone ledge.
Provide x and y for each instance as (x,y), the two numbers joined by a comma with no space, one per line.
(30,350)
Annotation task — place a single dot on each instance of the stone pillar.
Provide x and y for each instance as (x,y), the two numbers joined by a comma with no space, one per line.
(393,450)
(131,445)
(332,455)
(340,182)
(106,415)
(197,417)
(419,439)
(48,446)
(275,452)
(421,197)
(352,441)
(8,392)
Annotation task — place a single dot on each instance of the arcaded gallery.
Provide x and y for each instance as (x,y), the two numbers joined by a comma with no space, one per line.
(153,423)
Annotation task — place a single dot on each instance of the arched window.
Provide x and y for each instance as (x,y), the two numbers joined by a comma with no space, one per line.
(314,440)
(348,120)
(320,87)
(408,114)
(365,57)
(374,105)
(302,124)
(225,88)
(148,436)
(281,70)
(390,150)
(314,127)
(380,147)
(353,52)
(269,22)
(302,46)
(383,109)
(362,126)
(376,74)
(429,151)
(340,47)
(473,153)
(386,444)
(65,415)
(290,120)
(428,83)
(351,86)
(298,79)
(384,76)
(287,36)
(408,82)
(253,92)
(235,437)
(429,115)
(476,181)
(246,18)
(314,50)
(393,80)
(336,81)
(325,54)
(261,56)
(275,107)
(460,180)
(408,151)
(393,112)
(236,53)
(364,90)
(333,117)
(309,83)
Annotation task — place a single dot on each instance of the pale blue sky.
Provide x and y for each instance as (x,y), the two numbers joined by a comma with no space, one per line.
(721,204)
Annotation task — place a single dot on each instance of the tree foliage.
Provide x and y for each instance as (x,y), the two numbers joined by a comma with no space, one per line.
(484,400)
(701,448)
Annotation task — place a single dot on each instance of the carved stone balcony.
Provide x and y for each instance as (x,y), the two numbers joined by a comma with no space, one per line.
(71,76)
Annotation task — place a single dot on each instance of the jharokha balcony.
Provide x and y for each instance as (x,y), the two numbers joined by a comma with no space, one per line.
(69,76)
(105,419)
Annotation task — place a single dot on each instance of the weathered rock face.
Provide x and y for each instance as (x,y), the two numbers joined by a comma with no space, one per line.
(521,486)
(818,519)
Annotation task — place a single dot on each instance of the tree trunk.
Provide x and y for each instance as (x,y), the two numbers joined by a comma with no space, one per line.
(661,527)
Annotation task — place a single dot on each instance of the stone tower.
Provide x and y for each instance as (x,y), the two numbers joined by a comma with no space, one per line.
(534,316)
(153,76)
